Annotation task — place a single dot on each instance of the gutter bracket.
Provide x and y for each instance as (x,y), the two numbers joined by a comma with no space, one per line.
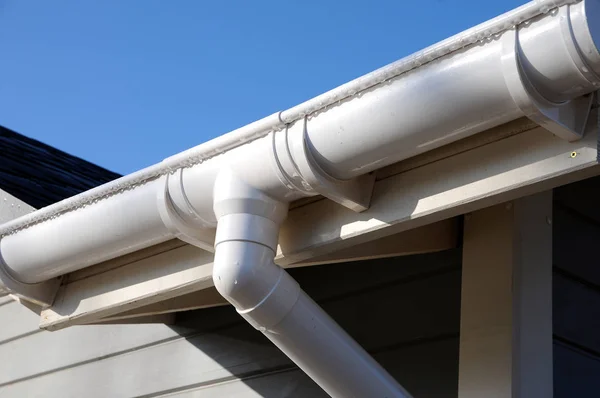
(42,293)
(190,227)
(301,170)
(566,120)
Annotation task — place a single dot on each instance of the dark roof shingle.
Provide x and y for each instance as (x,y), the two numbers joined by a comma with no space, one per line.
(40,175)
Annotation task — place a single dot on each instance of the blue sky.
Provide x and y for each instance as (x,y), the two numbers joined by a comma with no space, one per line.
(126,83)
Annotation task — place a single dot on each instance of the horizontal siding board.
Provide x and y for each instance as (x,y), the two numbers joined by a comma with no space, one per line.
(74,346)
(575,245)
(290,383)
(582,196)
(325,282)
(425,370)
(167,366)
(413,366)
(377,319)
(222,347)
(576,374)
(576,310)
(17,321)
(576,285)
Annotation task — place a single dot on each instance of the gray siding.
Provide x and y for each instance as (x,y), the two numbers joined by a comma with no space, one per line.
(576,300)
(405,311)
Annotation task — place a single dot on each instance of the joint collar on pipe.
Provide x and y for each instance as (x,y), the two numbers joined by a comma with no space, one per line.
(567,119)
(299,170)
(179,216)
(232,195)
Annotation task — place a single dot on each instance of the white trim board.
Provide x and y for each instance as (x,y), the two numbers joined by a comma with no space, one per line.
(506,301)
(434,187)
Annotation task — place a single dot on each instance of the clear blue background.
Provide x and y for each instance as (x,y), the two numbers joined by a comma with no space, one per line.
(126,83)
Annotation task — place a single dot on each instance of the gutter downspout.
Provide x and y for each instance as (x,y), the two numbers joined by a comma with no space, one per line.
(273,302)
(544,69)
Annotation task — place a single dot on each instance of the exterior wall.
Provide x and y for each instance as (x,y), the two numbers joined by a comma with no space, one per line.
(576,301)
(403,310)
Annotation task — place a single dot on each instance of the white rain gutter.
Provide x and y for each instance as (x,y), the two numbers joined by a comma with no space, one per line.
(538,61)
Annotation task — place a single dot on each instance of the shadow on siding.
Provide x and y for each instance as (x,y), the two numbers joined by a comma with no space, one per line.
(405,311)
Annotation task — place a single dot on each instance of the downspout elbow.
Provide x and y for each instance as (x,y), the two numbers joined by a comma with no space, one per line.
(271,300)
(244,272)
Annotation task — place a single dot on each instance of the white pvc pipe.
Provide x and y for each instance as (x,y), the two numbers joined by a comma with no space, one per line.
(453,95)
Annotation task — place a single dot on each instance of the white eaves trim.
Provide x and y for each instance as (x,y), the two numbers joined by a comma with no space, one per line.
(505,163)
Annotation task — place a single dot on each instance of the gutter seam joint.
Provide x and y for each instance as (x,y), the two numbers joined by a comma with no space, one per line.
(567,120)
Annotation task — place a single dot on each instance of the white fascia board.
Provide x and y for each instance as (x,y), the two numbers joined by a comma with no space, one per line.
(502,164)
